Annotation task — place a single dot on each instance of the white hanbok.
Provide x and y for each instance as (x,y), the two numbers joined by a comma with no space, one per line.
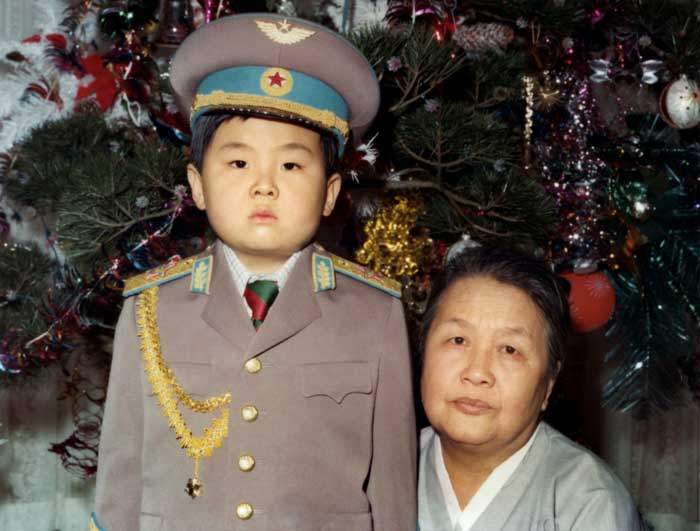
(550,484)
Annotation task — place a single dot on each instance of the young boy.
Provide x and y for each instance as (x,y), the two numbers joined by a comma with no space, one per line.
(305,413)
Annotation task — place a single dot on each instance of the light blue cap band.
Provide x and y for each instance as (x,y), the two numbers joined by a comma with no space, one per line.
(277,92)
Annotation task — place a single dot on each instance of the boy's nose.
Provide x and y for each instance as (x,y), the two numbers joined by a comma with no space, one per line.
(266,187)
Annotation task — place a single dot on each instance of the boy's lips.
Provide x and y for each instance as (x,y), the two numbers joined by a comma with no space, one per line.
(263,215)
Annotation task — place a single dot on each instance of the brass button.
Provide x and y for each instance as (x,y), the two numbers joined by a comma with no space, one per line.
(244,511)
(253,365)
(246,462)
(249,413)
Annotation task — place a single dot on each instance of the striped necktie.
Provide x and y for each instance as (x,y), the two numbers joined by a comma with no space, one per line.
(260,295)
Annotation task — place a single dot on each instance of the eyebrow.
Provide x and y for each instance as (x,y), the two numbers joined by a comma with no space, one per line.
(293,146)
(234,145)
(513,330)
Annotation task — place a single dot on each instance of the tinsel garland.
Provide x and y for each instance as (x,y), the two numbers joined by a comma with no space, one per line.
(392,246)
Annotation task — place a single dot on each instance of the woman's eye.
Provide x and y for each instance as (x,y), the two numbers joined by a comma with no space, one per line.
(508,349)
(290,166)
(457,340)
(239,164)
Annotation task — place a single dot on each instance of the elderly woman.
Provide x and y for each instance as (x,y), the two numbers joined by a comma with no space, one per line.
(493,343)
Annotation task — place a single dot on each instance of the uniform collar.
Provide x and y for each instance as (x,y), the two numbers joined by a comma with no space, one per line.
(242,276)
(294,309)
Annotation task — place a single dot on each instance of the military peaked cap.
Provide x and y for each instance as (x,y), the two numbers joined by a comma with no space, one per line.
(267,64)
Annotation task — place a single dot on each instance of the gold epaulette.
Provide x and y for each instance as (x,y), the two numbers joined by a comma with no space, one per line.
(325,267)
(199,267)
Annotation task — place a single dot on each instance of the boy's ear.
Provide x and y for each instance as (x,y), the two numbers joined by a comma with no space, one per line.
(195,180)
(333,185)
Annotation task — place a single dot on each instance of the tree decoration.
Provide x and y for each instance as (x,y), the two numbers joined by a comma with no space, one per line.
(633,200)
(529,86)
(591,300)
(679,103)
(176,21)
(214,9)
(483,37)
(392,248)
(130,16)
(27,276)
(434,13)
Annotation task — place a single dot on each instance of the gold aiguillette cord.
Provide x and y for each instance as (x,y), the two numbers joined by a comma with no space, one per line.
(169,393)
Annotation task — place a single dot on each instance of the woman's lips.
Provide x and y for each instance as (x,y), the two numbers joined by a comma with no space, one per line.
(472,406)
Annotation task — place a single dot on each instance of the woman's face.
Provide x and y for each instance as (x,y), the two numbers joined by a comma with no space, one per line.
(484,379)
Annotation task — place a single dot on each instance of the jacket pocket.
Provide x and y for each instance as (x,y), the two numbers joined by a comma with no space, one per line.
(150,522)
(336,380)
(350,522)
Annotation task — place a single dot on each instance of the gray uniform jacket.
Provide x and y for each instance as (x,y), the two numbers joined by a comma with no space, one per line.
(559,486)
(333,437)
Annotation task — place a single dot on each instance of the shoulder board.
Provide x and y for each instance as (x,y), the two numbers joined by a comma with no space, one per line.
(94,525)
(366,276)
(175,268)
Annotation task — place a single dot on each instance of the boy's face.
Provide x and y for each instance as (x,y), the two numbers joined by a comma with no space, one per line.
(264,187)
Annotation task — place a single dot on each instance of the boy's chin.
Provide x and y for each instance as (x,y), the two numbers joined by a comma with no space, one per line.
(262,256)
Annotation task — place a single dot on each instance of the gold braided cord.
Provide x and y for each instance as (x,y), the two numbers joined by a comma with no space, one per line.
(168,390)
(219,98)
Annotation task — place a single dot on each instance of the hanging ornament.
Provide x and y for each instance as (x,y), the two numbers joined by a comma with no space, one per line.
(600,70)
(284,7)
(633,200)
(434,12)
(650,71)
(679,103)
(529,87)
(213,9)
(591,300)
(460,247)
(175,21)
(129,16)
(483,36)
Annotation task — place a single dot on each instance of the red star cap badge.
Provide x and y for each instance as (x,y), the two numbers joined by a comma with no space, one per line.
(276,79)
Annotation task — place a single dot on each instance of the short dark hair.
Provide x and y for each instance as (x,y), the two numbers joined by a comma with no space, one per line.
(205,127)
(548,291)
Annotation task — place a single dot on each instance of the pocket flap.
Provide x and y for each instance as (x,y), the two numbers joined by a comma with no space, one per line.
(336,380)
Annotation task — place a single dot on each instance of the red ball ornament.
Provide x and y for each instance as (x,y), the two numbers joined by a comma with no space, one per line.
(591,300)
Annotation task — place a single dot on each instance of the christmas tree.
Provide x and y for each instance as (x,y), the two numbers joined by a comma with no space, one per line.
(564,128)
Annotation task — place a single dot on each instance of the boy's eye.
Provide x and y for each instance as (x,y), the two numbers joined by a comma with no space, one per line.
(290,166)
(239,164)
(509,349)
(457,340)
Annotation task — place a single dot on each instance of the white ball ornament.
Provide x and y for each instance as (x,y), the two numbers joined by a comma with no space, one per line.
(679,103)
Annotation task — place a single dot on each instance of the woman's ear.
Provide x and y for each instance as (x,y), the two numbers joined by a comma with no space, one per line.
(551,380)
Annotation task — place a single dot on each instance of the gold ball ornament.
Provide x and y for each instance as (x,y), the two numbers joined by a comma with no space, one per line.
(679,103)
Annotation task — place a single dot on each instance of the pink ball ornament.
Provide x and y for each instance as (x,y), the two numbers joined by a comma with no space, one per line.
(591,300)
(679,103)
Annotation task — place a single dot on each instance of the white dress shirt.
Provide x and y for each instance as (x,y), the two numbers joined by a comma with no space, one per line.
(241,275)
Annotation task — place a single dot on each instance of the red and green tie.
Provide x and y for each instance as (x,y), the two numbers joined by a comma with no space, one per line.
(260,295)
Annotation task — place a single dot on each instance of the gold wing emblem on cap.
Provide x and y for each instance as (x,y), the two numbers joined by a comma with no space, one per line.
(283,32)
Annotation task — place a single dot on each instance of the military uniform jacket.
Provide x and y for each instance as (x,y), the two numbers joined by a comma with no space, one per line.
(559,486)
(333,435)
